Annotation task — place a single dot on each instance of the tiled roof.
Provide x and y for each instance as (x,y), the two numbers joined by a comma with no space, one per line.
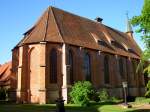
(59,26)
(5,74)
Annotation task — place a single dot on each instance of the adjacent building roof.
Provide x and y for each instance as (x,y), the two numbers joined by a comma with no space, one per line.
(5,74)
(59,26)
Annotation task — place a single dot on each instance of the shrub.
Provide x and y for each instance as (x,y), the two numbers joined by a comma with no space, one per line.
(115,100)
(139,99)
(95,97)
(147,94)
(2,94)
(104,96)
(81,93)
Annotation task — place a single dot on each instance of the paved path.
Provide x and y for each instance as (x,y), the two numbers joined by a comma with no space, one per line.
(146,106)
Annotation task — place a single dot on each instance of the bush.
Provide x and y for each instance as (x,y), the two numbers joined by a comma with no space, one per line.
(104,96)
(115,100)
(2,94)
(139,99)
(147,94)
(95,97)
(81,93)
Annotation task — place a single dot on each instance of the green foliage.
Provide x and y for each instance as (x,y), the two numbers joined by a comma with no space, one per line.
(104,96)
(144,64)
(142,23)
(147,94)
(95,97)
(139,99)
(81,93)
(115,100)
(2,94)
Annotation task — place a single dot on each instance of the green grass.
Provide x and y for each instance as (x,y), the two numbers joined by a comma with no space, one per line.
(141,100)
(94,107)
(69,108)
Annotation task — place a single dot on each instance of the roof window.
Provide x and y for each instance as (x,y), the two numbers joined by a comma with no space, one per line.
(117,45)
(132,51)
(103,43)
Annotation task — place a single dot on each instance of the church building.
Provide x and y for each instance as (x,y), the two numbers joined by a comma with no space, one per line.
(63,48)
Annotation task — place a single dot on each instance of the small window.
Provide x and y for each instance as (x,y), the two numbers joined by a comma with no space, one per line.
(103,43)
(117,45)
(132,51)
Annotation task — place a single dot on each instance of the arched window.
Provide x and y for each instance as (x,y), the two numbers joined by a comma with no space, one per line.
(70,67)
(121,67)
(87,67)
(53,66)
(106,70)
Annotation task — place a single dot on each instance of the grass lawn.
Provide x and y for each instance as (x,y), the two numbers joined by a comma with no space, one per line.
(94,107)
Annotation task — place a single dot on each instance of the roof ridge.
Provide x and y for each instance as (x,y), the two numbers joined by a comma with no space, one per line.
(46,23)
(59,30)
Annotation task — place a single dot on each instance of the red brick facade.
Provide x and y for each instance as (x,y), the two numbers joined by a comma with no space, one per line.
(34,84)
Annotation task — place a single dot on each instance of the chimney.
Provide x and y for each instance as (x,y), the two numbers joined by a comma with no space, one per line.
(98,19)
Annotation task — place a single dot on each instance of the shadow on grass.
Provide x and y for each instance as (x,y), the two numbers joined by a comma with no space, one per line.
(27,108)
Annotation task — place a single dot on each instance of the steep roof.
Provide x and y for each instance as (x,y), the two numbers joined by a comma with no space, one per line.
(5,74)
(59,26)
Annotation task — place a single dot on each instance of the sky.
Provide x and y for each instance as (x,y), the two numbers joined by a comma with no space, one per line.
(17,16)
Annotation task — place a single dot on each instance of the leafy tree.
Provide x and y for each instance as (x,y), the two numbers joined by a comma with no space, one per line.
(81,93)
(147,94)
(142,23)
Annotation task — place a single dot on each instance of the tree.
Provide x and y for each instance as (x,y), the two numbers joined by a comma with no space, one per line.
(142,23)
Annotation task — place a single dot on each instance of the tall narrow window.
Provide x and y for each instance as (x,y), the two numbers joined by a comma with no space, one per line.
(106,70)
(70,67)
(121,67)
(87,67)
(53,66)
(134,67)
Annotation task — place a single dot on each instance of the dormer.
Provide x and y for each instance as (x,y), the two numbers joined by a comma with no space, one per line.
(117,45)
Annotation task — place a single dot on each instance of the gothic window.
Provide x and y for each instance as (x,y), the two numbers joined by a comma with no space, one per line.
(70,67)
(134,67)
(53,66)
(127,69)
(121,67)
(106,69)
(87,67)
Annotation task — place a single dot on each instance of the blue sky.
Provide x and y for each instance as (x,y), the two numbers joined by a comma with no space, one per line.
(17,16)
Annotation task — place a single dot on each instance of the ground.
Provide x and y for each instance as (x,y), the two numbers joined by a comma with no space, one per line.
(94,107)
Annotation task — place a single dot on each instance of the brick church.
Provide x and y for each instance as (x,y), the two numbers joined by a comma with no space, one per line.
(62,48)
